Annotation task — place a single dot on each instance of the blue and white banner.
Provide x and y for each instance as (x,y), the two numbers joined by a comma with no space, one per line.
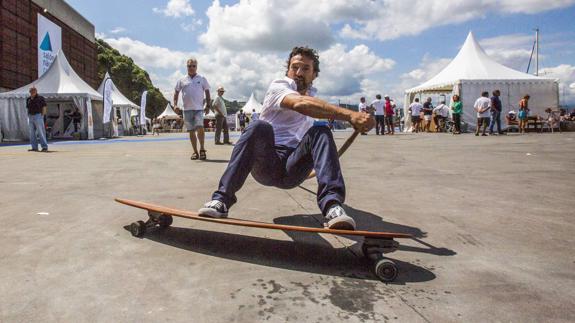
(143,109)
(49,43)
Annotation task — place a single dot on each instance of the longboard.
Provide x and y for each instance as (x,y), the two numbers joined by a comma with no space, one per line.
(375,243)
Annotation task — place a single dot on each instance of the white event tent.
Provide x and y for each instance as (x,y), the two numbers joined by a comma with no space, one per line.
(63,90)
(120,102)
(251,105)
(472,71)
(169,113)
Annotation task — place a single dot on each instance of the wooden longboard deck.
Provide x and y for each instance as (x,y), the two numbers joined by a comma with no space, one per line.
(256,224)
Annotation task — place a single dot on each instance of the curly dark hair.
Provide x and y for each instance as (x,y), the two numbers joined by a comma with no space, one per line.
(307,52)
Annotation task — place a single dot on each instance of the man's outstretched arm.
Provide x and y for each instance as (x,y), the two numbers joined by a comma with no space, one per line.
(317,108)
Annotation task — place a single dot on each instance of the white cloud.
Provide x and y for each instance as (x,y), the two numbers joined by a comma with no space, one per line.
(191,26)
(149,56)
(118,30)
(176,9)
(343,71)
(566,75)
(390,19)
(510,50)
(274,25)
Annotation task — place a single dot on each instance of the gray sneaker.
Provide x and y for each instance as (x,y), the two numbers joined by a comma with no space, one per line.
(338,219)
(214,209)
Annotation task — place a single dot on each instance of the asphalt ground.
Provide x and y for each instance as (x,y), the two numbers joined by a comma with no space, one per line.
(493,220)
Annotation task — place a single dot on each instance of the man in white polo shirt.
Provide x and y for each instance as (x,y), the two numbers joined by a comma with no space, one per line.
(283,147)
(378,106)
(195,89)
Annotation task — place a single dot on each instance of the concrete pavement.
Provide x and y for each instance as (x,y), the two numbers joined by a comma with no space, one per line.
(493,219)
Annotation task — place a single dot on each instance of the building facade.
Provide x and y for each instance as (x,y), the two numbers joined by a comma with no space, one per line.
(19,40)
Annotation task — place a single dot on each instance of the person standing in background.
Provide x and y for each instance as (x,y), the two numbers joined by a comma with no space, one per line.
(36,107)
(221,113)
(427,113)
(388,110)
(378,106)
(456,110)
(482,106)
(415,109)
(362,107)
(523,113)
(496,108)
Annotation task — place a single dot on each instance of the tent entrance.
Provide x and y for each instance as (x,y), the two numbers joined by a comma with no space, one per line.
(59,120)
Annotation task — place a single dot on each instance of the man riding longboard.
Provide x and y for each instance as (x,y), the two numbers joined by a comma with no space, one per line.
(283,146)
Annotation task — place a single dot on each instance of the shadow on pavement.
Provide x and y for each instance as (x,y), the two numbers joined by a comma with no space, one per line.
(216,161)
(364,221)
(291,255)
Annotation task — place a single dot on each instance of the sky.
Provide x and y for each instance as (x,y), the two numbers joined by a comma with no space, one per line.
(366,47)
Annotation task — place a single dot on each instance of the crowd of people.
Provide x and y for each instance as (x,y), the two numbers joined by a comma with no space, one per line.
(488,112)
(385,113)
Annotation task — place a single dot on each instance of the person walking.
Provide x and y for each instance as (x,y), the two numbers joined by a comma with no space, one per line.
(221,113)
(378,106)
(523,113)
(414,110)
(496,109)
(36,107)
(482,106)
(388,110)
(456,111)
(195,91)
(283,147)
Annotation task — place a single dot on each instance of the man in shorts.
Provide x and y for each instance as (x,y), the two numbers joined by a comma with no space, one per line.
(284,146)
(415,109)
(427,113)
(195,91)
(482,106)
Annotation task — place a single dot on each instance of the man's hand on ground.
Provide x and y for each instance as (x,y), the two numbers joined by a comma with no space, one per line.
(362,121)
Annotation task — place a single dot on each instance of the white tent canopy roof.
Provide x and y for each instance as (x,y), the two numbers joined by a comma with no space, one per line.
(472,63)
(251,105)
(59,81)
(168,113)
(118,99)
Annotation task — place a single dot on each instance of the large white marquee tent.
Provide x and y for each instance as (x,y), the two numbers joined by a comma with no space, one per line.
(63,90)
(472,71)
(121,103)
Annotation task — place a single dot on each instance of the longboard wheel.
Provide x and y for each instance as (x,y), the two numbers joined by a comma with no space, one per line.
(165,220)
(138,229)
(386,270)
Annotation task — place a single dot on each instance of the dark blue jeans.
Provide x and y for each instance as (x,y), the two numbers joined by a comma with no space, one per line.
(284,167)
(495,118)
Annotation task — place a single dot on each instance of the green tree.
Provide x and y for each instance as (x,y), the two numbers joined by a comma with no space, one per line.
(129,78)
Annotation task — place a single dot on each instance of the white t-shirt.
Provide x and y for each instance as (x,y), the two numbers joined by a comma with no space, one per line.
(482,103)
(378,105)
(362,107)
(415,108)
(192,90)
(289,126)
(441,110)
(255,116)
